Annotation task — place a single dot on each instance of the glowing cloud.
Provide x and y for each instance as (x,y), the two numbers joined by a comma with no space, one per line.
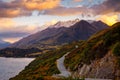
(109,19)
(63,11)
(6,23)
(51,22)
(11,40)
(41,4)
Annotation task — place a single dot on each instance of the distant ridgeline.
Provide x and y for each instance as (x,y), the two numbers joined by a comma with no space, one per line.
(59,34)
(53,37)
(97,57)
(17,52)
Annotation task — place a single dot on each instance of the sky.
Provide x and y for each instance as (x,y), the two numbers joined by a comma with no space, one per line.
(20,18)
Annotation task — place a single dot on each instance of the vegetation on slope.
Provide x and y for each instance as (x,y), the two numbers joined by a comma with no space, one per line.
(95,48)
(44,66)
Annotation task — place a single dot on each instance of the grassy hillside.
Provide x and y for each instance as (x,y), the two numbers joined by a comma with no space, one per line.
(96,47)
(44,66)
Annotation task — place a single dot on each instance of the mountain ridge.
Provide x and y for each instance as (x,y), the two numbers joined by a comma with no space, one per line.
(52,35)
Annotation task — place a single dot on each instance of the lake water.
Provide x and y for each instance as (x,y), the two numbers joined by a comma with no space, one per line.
(9,67)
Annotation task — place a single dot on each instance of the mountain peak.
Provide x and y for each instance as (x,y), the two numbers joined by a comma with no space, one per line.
(65,23)
(83,22)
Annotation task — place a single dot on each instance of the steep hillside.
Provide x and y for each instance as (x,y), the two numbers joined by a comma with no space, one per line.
(82,30)
(44,66)
(98,57)
(35,40)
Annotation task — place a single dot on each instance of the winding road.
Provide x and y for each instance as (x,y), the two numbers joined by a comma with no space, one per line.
(64,72)
(60,65)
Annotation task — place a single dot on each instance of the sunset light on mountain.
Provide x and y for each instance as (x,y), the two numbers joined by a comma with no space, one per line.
(16,16)
(59,39)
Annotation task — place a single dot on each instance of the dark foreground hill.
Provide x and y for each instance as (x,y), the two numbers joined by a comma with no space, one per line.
(98,57)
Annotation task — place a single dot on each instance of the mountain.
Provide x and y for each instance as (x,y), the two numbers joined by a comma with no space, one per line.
(35,39)
(100,25)
(65,23)
(4,44)
(53,37)
(59,24)
(81,30)
(97,57)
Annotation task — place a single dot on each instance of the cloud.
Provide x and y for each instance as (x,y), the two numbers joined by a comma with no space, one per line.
(106,7)
(9,30)
(41,4)
(109,19)
(12,34)
(6,23)
(11,40)
(63,11)
(9,9)
(17,8)
(12,9)
(52,22)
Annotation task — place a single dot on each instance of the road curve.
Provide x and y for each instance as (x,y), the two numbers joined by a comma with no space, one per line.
(60,65)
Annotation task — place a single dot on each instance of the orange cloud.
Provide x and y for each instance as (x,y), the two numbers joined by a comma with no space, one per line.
(9,25)
(12,40)
(109,19)
(51,22)
(17,8)
(41,4)
(6,23)
(12,13)
(63,11)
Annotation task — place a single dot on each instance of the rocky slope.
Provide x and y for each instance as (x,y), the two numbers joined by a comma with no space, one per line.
(98,57)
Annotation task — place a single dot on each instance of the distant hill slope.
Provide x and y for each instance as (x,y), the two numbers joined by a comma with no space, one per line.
(4,44)
(16,52)
(82,30)
(97,57)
